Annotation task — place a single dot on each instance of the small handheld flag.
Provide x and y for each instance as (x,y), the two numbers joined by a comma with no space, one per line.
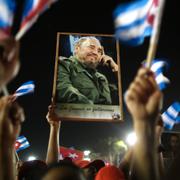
(7,10)
(25,88)
(158,67)
(21,143)
(31,12)
(171,116)
(139,19)
(134,21)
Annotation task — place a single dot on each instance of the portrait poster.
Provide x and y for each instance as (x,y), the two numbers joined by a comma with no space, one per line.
(87,78)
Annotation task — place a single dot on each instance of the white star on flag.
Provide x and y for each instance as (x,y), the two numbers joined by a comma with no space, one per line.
(73,155)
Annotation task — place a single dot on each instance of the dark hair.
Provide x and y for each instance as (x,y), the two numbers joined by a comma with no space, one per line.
(67,171)
(32,170)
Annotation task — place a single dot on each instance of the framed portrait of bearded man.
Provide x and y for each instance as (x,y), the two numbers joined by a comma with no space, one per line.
(87,78)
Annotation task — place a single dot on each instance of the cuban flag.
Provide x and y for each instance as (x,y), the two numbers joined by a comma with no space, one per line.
(21,143)
(7,10)
(158,66)
(32,10)
(171,116)
(25,88)
(134,21)
(74,154)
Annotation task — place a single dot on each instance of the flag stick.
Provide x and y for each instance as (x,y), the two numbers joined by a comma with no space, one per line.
(5,91)
(155,34)
(17,157)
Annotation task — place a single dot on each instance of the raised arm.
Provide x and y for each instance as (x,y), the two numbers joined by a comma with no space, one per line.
(11,116)
(9,60)
(53,144)
(143,100)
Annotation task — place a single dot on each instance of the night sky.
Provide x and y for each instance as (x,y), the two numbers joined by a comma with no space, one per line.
(37,63)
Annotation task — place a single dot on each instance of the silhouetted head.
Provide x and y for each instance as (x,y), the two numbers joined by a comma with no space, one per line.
(64,171)
(32,170)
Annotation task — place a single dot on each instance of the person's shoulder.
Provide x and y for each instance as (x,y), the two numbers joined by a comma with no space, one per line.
(63,59)
(67,60)
(101,76)
(70,63)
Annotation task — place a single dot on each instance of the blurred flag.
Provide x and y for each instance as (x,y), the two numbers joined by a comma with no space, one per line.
(7,10)
(32,10)
(171,116)
(133,21)
(158,67)
(25,88)
(74,154)
(21,143)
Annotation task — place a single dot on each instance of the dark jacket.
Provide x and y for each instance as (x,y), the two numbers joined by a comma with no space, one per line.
(78,84)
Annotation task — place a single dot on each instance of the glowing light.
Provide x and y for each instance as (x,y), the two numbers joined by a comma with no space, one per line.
(131,138)
(87,159)
(87,152)
(31,158)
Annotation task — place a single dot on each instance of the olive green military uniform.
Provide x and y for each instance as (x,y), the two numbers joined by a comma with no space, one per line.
(78,84)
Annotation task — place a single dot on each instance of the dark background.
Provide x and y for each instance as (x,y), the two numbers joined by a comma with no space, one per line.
(37,63)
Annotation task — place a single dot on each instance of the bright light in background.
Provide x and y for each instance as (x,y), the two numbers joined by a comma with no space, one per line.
(86,155)
(31,158)
(87,152)
(131,138)
(87,159)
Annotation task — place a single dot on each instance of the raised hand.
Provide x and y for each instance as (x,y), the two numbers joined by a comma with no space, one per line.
(108,61)
(9,59)
(143,97)
(52,117)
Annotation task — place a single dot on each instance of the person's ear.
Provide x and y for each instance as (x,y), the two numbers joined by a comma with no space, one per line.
(76,50)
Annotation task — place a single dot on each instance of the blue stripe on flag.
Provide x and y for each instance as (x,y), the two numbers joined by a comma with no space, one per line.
(171,115)
(176,106)
(28,82)
(7,9)
(25,88)
(21,138)
(22,147)
(158,66)
(28,6)
(134,41)
(178,119)
(162,85)
(168,120)
(163,67)
(132,25)
(124,8)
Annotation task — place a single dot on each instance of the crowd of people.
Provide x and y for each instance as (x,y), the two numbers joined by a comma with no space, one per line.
(143,162)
